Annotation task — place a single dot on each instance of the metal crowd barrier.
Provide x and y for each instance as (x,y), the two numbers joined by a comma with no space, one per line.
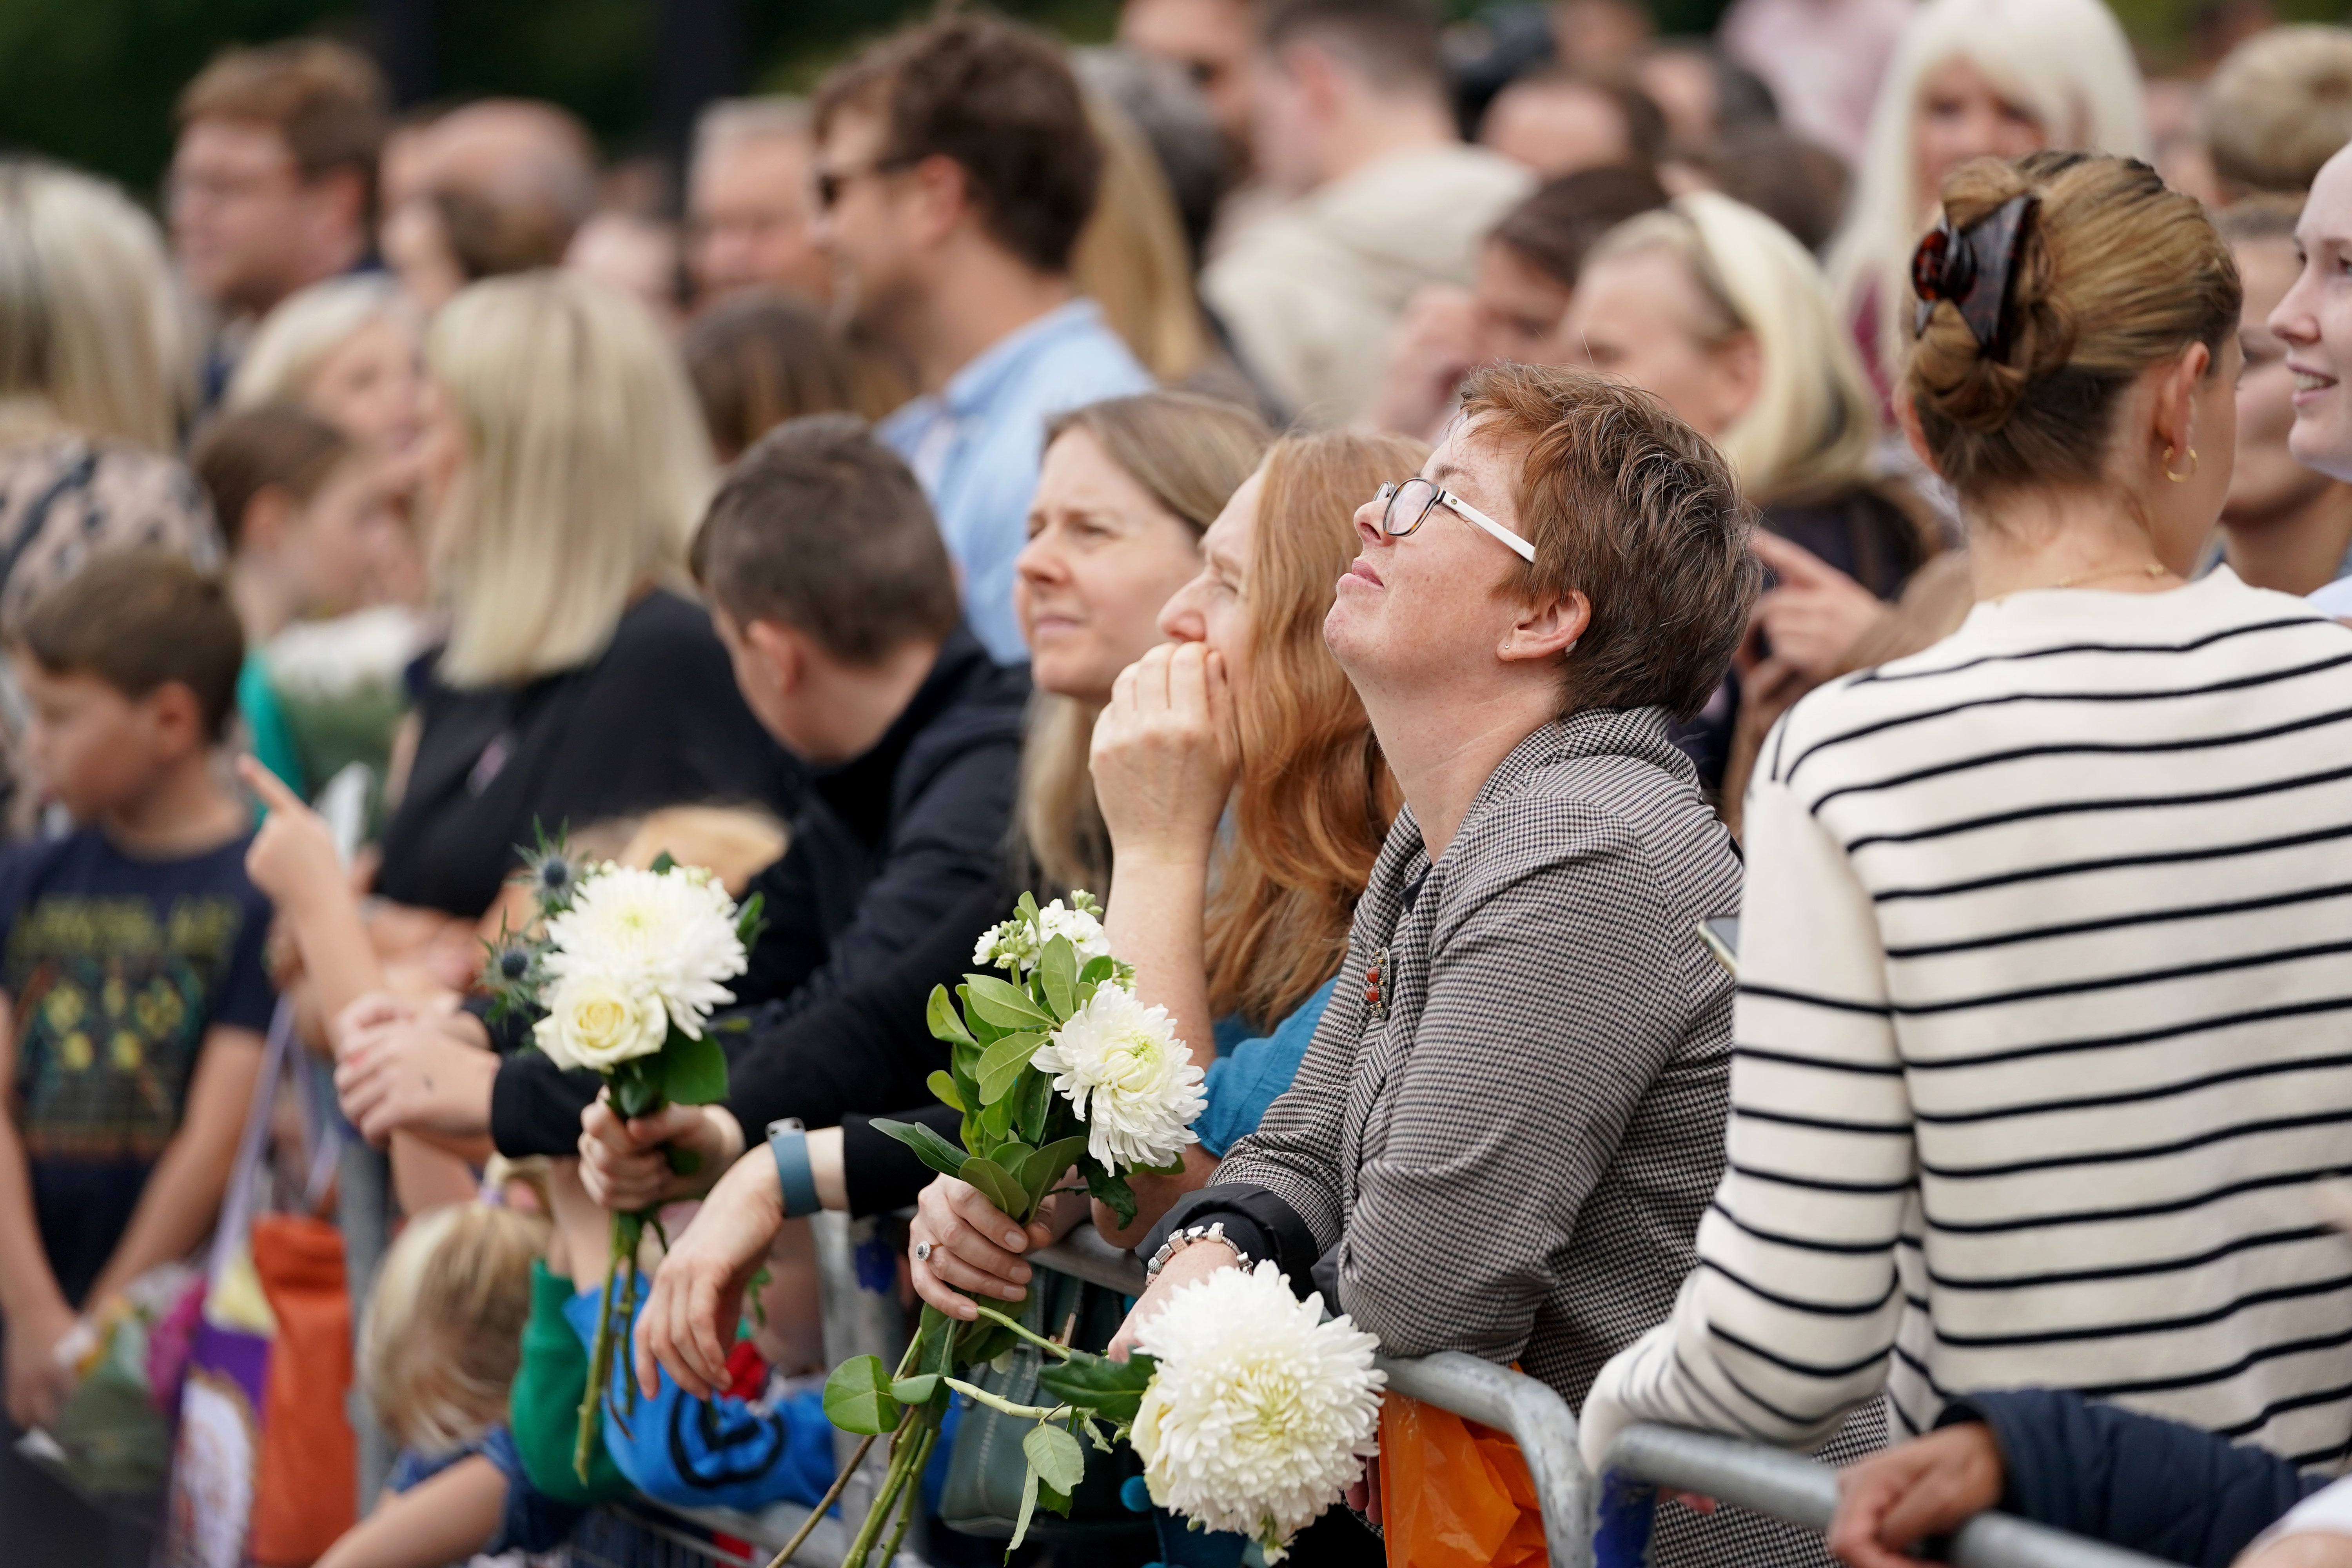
(1613,1530)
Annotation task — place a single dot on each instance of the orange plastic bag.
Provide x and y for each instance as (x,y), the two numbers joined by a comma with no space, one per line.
(306,1483)
(1454,1494)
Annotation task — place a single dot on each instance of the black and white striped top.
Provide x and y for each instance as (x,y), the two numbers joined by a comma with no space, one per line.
(2043,1045)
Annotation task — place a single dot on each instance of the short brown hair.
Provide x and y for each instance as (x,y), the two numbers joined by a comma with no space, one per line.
(1631,507)
(759,360)
(1394,43)
(1555,228)
(998,99)
(2280,105)
(327,99)
(821,527)
(138,619)
(243,454)
(2114,274)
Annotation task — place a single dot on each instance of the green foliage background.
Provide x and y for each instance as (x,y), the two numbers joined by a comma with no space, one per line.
(91,81)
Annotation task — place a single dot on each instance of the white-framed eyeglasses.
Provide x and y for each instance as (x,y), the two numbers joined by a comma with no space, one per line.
(1406,506)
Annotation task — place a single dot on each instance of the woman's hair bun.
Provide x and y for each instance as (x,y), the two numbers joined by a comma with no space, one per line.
(2112,272)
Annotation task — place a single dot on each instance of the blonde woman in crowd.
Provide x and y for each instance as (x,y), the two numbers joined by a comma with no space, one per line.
(347,351)
(565,468)
(96,375)
(1973,79)
(1713,308)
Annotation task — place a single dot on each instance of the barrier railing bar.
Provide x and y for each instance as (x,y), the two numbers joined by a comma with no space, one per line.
(1805,1492)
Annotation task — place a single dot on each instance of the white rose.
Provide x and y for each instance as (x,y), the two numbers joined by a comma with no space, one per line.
(593,1023)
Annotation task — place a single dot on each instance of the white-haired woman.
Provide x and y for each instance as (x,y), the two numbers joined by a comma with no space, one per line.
(564,468)
(1973,79)
(1718,312)
(96,375)
(347,350)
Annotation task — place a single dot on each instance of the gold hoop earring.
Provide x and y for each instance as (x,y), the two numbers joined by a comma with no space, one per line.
(2180,478)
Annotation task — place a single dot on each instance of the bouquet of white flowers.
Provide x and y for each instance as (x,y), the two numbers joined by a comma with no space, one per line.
(621,969)
(1256,1420)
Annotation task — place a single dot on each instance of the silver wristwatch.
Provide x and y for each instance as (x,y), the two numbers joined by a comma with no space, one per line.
(1179,1240)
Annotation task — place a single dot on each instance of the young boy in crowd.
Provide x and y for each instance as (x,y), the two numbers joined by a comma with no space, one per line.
(309,522)
(132,996)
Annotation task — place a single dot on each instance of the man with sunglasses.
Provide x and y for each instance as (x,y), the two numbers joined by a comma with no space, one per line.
(955,169)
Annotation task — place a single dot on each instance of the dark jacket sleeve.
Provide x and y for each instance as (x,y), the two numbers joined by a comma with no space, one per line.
(869,1048)
(881,1174)
(2131,1481)
(535,1106)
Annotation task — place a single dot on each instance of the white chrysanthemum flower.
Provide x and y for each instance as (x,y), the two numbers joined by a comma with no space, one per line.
(1260,1415)
(1132,1079)
(1017,944)
(592,1022)
(668,933)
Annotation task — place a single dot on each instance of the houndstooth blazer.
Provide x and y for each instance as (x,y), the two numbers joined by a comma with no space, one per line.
(1507,1152)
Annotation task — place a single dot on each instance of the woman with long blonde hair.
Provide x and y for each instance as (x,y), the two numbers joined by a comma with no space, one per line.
(1972,79)
(565,467)
(96,374)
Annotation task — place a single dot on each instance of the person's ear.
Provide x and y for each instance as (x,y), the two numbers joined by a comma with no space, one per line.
(268,516)
(943,196)
(1316,77)
(176,719)
(2173,415)
(1547,630)
(346,195)
(782,653)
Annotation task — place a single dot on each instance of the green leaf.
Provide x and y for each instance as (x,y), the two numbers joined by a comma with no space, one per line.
(1052,1502)
(997,1187)
(944,1087)
(1056,1458)
(694,1072)
(1113,1191)
(1111,1389)
(996,1122)
(1007,1006)
(637,1088)
(915,1390)
(664,864)
(1004,1062)
(857,1397)
(929,1148)
(1010,1157)
(941,1016)
(750,916)
(1020,1519)
(1057,975)
(1042,1168)
(1031,1102)
(1097,969)
(683,1162)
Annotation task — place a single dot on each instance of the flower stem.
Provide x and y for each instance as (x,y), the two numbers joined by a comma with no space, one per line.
(995,1401)
(841,1482)
(1038,1339)
(914,1491)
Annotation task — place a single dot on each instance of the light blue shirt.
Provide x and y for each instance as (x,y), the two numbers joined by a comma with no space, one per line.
(975,447)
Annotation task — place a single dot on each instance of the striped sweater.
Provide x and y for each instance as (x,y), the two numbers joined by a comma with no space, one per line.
(2043,1043)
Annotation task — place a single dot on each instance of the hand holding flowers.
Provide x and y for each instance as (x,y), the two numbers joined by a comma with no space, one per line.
(624,973)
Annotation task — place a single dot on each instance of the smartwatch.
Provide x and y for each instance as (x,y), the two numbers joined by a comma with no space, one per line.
(788,1141)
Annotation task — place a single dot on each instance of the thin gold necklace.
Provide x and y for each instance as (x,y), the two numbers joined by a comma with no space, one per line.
(2150,569)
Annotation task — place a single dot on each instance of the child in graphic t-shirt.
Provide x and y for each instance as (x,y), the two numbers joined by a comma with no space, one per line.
(131,985)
